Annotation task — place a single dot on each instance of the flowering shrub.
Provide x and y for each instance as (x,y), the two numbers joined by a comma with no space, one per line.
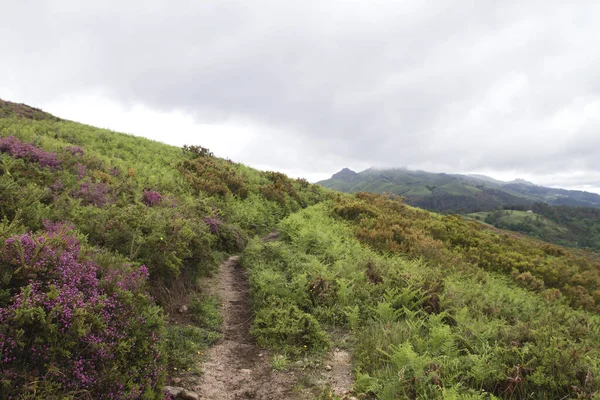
(213,224)
(9,109)
(28,151)
(81,170)
(68,330)
(95,194)
(151,198)
(75,150)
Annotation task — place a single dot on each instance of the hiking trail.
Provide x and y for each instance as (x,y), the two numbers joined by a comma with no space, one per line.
(235,367)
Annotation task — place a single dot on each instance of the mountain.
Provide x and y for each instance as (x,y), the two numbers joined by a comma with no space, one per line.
(118,273)
(454,192)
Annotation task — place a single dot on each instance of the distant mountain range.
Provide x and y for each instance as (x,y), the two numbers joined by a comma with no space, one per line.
(454,192)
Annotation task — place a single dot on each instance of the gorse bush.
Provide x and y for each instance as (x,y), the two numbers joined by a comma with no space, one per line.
(67,330)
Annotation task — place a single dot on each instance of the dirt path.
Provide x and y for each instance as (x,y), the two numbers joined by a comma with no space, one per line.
(339,372)
(236,368)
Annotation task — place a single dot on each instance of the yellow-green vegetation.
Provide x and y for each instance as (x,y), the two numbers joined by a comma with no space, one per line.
(430,301)
(98,230)
(456,193)
(577,227)
(115,202)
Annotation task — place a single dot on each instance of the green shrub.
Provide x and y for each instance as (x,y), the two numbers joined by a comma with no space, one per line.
(184,344)
(284,326)
(205,312)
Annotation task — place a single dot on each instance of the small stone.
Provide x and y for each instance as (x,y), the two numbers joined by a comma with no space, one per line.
(328,368)
(260,354)
(245,371)
(188,395)
(183,309)
(176,380)
(174,390)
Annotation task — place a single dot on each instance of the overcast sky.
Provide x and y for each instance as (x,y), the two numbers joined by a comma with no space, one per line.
(506,88)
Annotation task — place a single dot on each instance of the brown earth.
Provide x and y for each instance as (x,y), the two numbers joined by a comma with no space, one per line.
(339,372)
(235,367)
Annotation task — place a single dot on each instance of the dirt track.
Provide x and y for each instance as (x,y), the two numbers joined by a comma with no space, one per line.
(236,368)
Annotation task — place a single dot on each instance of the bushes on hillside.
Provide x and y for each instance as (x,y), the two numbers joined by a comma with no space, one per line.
(19,149)
(68,329)
(420,328)
(213,176)
(392,226)
(151,198)
(284,326)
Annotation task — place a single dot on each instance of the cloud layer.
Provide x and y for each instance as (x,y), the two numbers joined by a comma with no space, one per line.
(502,87)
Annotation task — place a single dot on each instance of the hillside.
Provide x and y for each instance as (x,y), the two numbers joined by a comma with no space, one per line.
(105,237)
(456,193)
(567,226)
(92,223)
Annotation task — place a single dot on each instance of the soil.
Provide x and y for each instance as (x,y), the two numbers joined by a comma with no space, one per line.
(235,367)
(339,376)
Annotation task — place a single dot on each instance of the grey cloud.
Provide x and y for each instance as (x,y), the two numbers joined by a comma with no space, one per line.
(460,85)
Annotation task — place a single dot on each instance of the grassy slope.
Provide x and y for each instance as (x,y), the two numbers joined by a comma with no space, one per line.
(437,307)
(423,324)
(563,225)
(561,231)
(518,217)
(207,207)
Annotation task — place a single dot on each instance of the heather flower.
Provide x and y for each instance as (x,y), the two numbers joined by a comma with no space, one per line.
(57,187)
(81,170)
(151,198)
(213,224)
(27,151)
(76,322)
(75,150)
(96,194)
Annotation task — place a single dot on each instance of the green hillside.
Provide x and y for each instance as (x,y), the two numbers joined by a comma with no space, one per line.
(456,193)
(101,233)
(142,218)
(526,222)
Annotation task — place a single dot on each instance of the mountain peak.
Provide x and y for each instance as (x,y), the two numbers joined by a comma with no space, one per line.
(521,182)
(345,174)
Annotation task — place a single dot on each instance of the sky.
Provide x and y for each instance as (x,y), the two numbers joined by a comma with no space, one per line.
(509,88)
